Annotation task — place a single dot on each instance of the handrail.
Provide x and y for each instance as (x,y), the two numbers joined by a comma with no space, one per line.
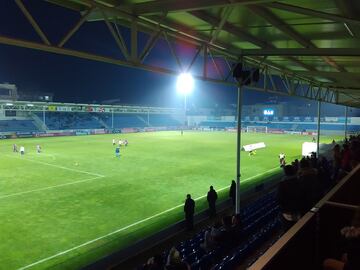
(270,254)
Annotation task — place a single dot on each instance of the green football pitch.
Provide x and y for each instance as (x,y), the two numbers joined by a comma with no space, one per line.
(76,202)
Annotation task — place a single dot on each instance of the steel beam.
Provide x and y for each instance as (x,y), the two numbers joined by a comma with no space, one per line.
(290,32)
(76,27)
(161,6)
(134,41)
(242,34)
(205,76)
(313,13)
(150,45)
(117,36)
(173,52)
(32,21)
(224,17)
(302,52)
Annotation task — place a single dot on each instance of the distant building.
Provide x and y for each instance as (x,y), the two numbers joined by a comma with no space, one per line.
(35,96)
(8,91)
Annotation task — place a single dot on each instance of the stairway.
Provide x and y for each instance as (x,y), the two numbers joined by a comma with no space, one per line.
(143,120)
(38,122)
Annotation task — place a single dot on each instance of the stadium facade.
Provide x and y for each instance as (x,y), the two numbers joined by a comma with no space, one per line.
(32,119)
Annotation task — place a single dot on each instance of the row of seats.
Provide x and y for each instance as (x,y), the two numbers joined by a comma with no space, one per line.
(259,219)
(140,120)
(231,261)
(295,126)
(69,120)
(14,125)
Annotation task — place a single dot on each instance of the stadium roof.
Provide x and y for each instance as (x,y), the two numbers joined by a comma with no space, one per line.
(313,46)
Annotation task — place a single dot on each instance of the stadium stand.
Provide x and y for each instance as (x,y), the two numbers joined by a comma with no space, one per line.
(68,120)
(15,125)
(125,121)
(260,219)
(158,120)
(289,126)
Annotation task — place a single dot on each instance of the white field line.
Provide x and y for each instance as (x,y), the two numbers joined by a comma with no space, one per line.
(47,188)
(58,166)
(129,226)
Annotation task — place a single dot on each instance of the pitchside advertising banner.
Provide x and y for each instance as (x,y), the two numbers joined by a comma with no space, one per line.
(254,146)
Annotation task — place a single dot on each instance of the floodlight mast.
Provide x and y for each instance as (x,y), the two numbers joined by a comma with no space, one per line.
(184,86)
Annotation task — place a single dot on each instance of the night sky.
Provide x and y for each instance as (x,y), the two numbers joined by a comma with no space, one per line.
(77,80)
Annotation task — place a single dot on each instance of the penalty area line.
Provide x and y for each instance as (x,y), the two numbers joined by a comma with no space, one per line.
(47,188)
(130,225)
(57,166)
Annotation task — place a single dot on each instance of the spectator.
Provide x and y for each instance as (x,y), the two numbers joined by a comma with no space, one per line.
(350,259)
(154,263)
(232,192)
(211,237)
(211,198)
(189,209)
(226,237)
(237,227)
(308,177)
(336,160)
(290,197)
(345,158)
(173,259)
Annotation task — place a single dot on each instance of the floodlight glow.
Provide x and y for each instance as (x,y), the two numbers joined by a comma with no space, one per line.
(9,104)
(185,83)
(30,105)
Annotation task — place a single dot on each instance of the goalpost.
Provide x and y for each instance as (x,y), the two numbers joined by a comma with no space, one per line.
(262,129)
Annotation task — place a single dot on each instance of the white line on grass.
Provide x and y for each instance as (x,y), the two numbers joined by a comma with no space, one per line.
(58,166)
(50,187)
(130,225)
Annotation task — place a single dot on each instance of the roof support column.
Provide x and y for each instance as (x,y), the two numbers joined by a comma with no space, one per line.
(346,120)
(318,129)
(238,147)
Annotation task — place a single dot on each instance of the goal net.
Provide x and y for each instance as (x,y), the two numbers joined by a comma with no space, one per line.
(262,129)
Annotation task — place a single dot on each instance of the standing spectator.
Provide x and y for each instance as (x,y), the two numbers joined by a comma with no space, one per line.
(232,192)
(337,161)
(15,149)
(189,209)
(211,198)
(290,197)
(345,162)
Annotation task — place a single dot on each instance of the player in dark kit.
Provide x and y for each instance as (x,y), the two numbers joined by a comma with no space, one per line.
(117,151)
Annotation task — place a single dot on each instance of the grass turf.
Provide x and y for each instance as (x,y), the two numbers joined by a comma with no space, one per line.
(76,201)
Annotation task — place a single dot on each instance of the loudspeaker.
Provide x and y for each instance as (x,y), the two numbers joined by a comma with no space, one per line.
(237,72)
(245,77)
(256,75)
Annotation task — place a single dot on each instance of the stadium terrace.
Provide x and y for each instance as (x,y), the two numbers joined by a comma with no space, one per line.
(198,135)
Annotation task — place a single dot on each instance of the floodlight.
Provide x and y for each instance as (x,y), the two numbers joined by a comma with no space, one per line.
(30,105)
(185,83)
(9,104)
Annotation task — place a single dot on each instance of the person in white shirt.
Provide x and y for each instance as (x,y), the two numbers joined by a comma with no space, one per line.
(22,150)
(282,159)
(38,148)
(113,141)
